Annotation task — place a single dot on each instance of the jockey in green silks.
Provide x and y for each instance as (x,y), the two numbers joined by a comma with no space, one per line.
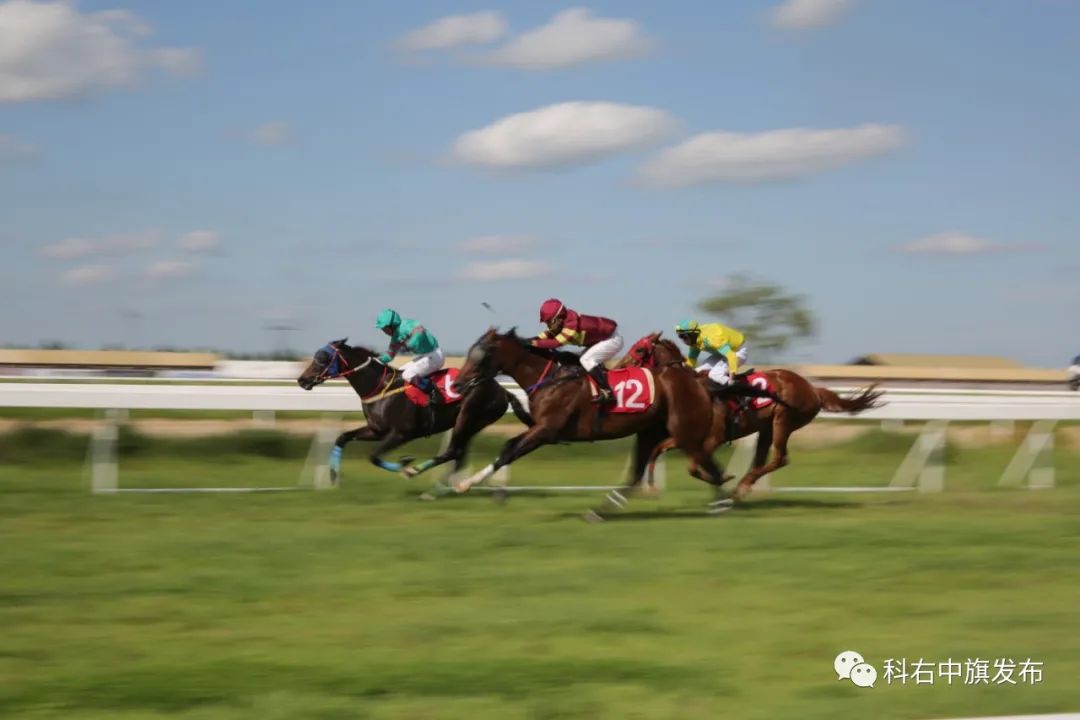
(410,336)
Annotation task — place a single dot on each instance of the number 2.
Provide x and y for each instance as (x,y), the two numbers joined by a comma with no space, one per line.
(760,382)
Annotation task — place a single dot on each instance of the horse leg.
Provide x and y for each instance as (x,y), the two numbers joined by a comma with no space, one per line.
(705,468)
(660,449)
(392,440)
(363,434)
(781,432)
(644,450)
(761,454)
(515,448)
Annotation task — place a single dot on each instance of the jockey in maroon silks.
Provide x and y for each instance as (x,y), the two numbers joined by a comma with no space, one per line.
(598,335)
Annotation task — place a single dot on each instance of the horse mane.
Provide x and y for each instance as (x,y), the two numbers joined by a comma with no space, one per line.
(671,346)
(344,345)
(562,357)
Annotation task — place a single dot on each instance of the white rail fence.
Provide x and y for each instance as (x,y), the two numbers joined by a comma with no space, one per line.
(922,469)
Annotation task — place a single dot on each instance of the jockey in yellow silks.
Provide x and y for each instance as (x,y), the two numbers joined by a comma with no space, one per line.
(724,349)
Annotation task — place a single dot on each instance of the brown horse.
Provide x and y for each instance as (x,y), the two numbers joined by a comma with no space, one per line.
(801,403)
(562,409)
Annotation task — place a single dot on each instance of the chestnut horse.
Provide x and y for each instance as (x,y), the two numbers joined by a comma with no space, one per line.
(562,409)
(392,419)
(801,402)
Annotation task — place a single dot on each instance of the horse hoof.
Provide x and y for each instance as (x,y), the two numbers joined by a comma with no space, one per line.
(722,502)
(406,461)
(591,516)
(408,472)
(335,478)
(462,487)
(500,495)
(718,509)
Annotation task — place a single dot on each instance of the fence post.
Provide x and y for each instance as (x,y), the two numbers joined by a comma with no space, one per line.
(1034,459)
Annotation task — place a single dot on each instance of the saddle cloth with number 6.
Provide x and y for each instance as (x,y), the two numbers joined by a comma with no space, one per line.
(634,390)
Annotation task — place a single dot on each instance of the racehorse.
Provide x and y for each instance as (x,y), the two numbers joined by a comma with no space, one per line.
(774,422)
(394,419)
(562,408)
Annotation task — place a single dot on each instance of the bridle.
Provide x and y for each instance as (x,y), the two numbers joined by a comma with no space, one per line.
(335,365)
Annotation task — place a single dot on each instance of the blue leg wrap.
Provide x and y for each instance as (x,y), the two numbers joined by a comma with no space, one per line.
(388,465)
(335,458)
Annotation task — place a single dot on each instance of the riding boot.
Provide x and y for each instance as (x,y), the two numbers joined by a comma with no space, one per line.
(604,396)
(717,390)
(434,395)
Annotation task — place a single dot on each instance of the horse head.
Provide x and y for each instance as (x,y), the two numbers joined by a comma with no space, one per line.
(333,360)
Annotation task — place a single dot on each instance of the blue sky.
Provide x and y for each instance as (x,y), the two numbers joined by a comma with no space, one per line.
(190,173)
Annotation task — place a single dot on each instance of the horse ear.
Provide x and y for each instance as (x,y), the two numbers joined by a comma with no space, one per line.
(512,332)
(343,342)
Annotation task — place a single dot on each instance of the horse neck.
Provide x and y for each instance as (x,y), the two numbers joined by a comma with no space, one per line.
(528,368)
(370,379)
(664,355)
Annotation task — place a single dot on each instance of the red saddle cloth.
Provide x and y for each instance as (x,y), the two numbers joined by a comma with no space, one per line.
(444,381)
(758,380)
(634,390)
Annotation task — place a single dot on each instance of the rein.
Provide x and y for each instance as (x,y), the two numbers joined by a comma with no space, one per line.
(542,379)
(382,387)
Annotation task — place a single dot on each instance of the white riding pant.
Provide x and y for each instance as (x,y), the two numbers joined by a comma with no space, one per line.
(422,365)
(717,365)
(601,352)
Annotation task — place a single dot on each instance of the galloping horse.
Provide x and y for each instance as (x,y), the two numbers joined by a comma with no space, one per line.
(393,419)
(562,408)
(774,423)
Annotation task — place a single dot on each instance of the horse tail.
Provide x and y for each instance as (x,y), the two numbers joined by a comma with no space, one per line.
(865,400)
(519,409)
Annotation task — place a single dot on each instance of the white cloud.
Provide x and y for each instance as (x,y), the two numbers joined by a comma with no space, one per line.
(87,275)
(454,31)
(200,240)
(512,269)
(564,134)
(50,51)
(806,14)
(68,249)
(168,269)
(572,37)
(494,244)
(12,149)
(271,133)
(74,248)
(774,155)
(957,243)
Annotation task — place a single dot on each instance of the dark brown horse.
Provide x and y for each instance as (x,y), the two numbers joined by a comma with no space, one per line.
(562,409)
(392,419)
(801,403)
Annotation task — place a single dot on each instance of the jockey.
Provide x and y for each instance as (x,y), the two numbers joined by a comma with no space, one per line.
(724,348)
(412,337)
(599,335)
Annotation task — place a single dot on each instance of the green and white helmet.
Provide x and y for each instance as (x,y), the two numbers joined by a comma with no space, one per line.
(387,319)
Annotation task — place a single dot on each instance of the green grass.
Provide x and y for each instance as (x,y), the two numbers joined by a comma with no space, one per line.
(364,603)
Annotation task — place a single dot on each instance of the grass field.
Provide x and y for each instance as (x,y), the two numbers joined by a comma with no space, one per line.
(364,603)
